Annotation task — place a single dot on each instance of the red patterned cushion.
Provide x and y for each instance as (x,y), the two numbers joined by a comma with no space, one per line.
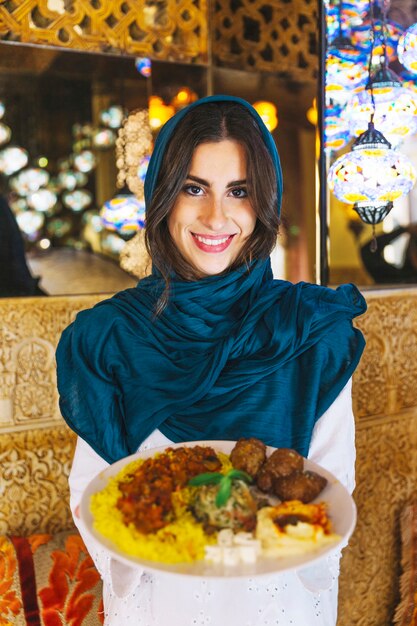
(48,580)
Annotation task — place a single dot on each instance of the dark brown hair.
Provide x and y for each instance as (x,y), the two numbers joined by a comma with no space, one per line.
(212,122)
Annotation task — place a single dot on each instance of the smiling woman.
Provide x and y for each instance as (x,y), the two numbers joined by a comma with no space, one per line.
(211,347)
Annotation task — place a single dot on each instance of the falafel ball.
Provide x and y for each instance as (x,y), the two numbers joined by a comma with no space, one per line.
(248,455)
(282,462)
(303,486)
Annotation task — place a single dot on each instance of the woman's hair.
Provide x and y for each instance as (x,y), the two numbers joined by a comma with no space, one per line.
(212,122)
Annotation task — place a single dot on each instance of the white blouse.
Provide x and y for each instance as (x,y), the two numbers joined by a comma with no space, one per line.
(306,597)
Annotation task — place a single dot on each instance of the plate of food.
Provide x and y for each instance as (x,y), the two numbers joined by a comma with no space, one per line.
(218,509)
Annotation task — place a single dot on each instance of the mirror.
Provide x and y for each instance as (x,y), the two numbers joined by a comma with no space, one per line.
(362,39)
(63,112)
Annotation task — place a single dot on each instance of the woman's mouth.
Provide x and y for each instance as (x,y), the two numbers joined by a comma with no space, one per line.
(212,243)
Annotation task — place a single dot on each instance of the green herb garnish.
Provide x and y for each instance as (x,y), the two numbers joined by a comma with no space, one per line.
(223,480)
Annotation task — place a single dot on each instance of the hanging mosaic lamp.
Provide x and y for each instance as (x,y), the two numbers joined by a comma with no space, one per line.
(394,107)
(385,35)
(85,161)
(336,128)
(42,200)
(29,180)
(407,49)
(77,200)
(30,223)
(103,138)
(124,213)
(346,71)
(13,159)
(143,168)
(5,134)
(372,173)
(113,116)
(144,66)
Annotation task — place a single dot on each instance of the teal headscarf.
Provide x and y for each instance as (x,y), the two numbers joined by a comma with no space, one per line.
(234,355)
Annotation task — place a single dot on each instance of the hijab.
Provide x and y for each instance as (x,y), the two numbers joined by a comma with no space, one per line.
(232,355)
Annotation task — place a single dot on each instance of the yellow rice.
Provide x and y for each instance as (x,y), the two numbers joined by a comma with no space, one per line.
(182,540)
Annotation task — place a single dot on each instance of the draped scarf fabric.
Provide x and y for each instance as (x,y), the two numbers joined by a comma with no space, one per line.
(235,355)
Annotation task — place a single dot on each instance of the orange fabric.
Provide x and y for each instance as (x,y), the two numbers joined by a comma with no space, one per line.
(64,581)
(66,601)
(10,603)
(38,540)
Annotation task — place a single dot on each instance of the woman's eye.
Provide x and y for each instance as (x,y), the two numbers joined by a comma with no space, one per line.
(239,192)
(193,190)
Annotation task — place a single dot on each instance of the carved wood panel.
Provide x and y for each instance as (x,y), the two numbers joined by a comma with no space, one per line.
(172,30)
(273,36)
(29,333)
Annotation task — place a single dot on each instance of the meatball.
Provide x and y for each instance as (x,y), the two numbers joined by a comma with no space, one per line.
(303,486)
(282,462)
(248,455)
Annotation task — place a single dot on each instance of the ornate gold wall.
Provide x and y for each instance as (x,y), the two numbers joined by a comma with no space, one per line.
(36,449)
(272,36)
(385,401)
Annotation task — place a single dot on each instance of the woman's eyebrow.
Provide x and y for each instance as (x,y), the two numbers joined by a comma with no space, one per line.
(201,181)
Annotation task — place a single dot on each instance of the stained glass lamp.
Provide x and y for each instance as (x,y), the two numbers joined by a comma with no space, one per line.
(336,128)
(372,174)
(394,107)
(144,66)
(124,213)
(345,71)
(407,49)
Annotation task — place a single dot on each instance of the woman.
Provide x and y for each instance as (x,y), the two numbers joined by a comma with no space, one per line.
(211,347)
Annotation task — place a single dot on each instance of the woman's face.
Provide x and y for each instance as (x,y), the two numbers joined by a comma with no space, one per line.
(212,217)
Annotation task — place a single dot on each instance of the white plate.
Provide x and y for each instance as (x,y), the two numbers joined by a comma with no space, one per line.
(341,509)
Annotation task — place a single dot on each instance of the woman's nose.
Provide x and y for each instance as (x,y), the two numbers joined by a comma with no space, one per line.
(214,215)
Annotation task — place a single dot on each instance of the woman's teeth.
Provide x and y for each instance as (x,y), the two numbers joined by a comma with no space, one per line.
(212,242)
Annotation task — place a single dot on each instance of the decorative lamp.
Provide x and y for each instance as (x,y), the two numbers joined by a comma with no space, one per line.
(394,107)
(372,174)
(386,36)
(13,159)
(144,66)
(345,72)
(336,129)
(159,113)
(112,117)
(124,214)
(42,200)
(2,109)
(184,97)
(77,200)
(29,180)
(5,134)
(312,113)
(30,223)
(85,161)
(143,168)
(103,138)
(268,113)
(407,49)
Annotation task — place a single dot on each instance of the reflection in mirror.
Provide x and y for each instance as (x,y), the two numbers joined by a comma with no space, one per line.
(371,76)
(73,192)
(66,211)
